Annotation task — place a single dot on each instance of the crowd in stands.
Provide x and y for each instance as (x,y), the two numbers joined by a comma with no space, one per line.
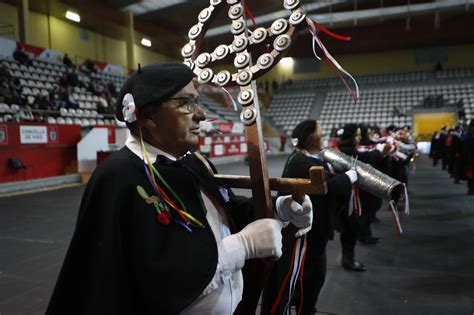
(61,94)
(455,148)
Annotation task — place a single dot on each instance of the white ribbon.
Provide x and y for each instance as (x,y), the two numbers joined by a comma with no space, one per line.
(328,55)
(294,141)
(129,108)
(231,98)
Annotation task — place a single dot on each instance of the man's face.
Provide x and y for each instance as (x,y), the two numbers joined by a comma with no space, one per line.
(174,129)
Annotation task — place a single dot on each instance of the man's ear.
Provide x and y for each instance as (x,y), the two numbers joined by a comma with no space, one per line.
(149,123)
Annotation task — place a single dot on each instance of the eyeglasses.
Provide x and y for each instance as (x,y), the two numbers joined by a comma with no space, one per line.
(188,103)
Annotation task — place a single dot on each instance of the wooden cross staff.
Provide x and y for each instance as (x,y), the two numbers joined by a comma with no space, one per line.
(278,38)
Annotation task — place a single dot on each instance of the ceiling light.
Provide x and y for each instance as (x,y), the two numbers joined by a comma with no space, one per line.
(146,42)
(73,16)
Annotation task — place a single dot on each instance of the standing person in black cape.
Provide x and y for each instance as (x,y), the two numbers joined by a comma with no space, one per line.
(307,138)
(370,203)
(155,234)
(357,227)
(435,150)
(469,157)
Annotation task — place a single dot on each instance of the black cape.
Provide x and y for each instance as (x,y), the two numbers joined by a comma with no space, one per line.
(122,261)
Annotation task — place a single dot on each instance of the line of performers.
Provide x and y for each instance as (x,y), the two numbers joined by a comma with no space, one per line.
(455,149)
(390,153)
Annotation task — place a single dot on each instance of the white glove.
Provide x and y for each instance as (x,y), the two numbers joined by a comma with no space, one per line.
(261,239)
(352,176)
(300,215)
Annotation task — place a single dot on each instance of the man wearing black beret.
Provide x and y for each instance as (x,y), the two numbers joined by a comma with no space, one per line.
(307,139)
(155,234)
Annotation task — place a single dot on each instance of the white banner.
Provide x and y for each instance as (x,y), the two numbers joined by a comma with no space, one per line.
(33,134)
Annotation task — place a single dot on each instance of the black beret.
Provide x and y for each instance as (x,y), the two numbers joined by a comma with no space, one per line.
(349,131)
(154,84)
(303,130)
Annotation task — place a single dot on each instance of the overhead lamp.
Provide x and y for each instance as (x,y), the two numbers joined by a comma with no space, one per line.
(287,62)
(146,42)
(73,16)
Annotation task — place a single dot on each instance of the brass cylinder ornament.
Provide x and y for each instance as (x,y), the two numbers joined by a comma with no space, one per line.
(248,116)
(265,61)
(194,31)
(259,35)
(244,77)
(241,60)
(291,4)
(221,52)
(297,17)
(279,26)
(203,59)
(205,76)
(282,42)
(223,77)
(187,50)
(240,43)
(204,15)
(238,27)
(245,97)
(236,11)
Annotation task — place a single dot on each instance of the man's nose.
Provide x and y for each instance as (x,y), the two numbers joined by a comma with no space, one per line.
(199,113)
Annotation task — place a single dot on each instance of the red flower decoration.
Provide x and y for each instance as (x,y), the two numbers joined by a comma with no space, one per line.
(163,217)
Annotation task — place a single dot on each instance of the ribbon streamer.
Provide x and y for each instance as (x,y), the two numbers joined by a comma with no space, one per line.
(247,10)
(229,99)
(332,61)
(396,219)
(407,203)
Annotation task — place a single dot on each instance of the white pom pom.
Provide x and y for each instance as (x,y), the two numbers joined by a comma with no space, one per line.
(128,109)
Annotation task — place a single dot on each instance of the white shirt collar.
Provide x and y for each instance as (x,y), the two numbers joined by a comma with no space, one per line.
(133,143)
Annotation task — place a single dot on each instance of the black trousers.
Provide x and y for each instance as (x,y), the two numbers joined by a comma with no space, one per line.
(348,237)
(313,279)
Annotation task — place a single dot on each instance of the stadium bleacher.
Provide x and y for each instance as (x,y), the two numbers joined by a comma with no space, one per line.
(380,97)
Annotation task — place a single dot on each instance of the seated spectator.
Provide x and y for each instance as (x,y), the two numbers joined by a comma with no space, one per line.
(461,110)
(72,78)
(67,61)
(4,74)
(22,57)
(63,81)
(102,106)
(45,103)
(5,93)
(99,88)
(112,89)
(58,97)
(89,66)
(15,88)
(71,102)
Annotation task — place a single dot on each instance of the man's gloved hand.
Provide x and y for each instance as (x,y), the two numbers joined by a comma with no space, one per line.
(300,215)
(261,239)
(352,174)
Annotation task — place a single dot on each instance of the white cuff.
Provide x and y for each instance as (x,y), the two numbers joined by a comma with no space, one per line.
(278,207)
(231,255)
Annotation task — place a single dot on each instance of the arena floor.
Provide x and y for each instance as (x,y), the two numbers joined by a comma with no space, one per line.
(429,271)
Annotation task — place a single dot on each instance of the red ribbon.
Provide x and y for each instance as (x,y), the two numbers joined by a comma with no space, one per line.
(285,281)
(250,15)
(325,30)
(354,97)
(301,277)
